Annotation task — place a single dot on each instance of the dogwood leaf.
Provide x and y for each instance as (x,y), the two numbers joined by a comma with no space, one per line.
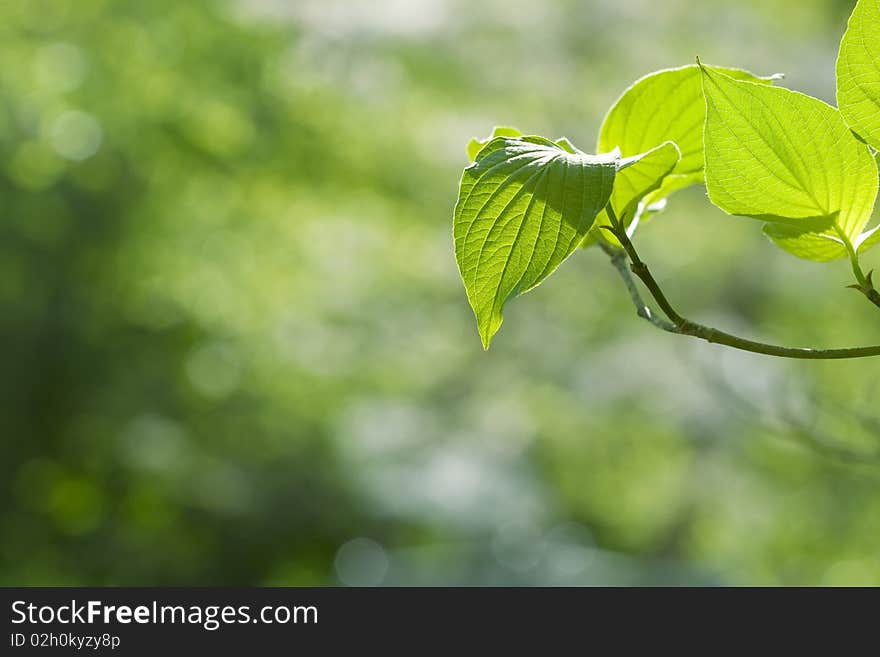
(475,145)
(637,176)
(664,106)
(523,207)
(787,158)
(858,72)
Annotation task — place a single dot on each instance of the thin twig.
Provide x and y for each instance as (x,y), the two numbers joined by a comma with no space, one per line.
(621,263)
(683,326)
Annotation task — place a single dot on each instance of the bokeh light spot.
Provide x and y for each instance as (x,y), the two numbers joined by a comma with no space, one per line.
(361,562)
(76,135)
(213,370)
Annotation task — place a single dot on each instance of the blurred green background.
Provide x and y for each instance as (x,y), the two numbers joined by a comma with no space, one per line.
(236,349)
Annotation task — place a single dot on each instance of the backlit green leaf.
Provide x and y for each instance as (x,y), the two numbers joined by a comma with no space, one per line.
(523,207)
(564,143)
(817,245)
(475,145)
(787,158)
(664,106)
(636,177)
(868,239)
(858,72)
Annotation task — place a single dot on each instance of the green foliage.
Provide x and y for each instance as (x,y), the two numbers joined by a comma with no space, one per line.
(664,106)
(858,72)
(476,145)
(786,158)
(523,207)
(641,174)
(499,131)
(773,154)
(234,338)
(637,177)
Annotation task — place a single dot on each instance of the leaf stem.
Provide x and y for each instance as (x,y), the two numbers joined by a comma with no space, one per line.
(682,326)
(865,283)
(621,263)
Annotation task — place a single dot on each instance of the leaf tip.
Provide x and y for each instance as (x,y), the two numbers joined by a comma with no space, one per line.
(488,325)
(486,336)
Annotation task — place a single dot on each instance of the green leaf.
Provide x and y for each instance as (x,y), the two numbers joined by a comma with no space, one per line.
(664,106)
(636,177)
(671,184)
(858,72)
(787,158)
(565,144)
(817,245)
(522,208)
(867,239)
(475,145)
(814,245)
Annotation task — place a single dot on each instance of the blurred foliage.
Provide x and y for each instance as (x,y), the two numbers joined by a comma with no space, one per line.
(235,347)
